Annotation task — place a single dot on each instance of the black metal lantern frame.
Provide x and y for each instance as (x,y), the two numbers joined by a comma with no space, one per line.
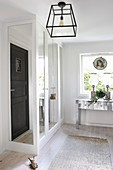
(61,12)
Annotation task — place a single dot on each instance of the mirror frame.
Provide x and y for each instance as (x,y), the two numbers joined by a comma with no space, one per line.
(11,145)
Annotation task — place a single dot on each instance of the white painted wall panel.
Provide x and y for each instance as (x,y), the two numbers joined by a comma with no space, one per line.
(0,92)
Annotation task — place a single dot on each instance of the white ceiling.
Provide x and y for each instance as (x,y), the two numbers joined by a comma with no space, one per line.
(94,17)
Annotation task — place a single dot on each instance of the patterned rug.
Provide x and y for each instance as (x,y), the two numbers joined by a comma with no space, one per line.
(83,153)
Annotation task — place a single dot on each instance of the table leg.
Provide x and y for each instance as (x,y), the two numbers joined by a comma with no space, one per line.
(78,117)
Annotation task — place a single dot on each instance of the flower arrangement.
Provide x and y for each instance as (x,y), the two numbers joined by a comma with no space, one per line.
(100,94)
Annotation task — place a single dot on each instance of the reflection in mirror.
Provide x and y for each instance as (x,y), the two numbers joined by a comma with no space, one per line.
(61,85)
(53,82)
(41,80)
(20,41)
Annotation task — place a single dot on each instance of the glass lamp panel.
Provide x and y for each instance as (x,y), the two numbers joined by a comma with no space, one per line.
(66,11)
(57,20)
(57,10)
(56,7)
(63,31)
(49,30)
(67,6)
(66,19)
(75,28)
(50,20)
(73,19)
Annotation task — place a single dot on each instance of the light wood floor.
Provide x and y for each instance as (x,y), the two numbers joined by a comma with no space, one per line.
(27,137)
(18,161)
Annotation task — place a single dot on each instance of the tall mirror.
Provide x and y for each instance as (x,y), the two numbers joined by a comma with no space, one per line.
(61,83)
(41,80)
(20,44)
(53,82)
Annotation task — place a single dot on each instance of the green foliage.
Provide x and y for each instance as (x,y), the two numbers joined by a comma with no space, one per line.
(87,86)
(94,99)
(97,95)
(100,91)
(100,85)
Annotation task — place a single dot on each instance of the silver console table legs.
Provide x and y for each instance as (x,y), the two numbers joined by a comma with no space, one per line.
(87,104)
(77,115)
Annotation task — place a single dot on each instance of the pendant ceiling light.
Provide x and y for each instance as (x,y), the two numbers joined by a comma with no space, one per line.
(61,21)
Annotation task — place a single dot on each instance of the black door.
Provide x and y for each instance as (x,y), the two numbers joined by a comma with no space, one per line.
(19,90)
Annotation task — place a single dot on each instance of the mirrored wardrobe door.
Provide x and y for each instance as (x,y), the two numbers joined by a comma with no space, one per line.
(61,82)
(20,39)
(53,82)
(41,81)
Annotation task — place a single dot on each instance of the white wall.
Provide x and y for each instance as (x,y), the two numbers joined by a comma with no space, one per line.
(0,92)
(4,89)
(71,75)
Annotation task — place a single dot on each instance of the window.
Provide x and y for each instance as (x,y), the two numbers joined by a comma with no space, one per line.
(92,76)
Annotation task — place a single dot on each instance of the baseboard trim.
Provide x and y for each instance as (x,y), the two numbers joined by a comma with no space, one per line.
(91,124)
(97,124)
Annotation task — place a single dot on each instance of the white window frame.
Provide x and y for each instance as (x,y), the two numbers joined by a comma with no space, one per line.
(82,92)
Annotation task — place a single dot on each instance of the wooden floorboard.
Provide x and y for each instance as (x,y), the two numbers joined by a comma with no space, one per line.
(18,161)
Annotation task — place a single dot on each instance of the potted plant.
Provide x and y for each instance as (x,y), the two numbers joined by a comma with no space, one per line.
(100,93)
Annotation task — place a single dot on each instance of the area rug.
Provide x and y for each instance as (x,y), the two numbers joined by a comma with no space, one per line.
(83,153)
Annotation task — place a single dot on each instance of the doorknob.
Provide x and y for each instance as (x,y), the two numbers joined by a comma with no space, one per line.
(12,90)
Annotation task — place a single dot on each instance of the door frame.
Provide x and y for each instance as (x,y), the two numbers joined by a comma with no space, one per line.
(7,144)
(1,90)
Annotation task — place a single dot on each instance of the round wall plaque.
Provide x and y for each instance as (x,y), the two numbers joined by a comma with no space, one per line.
(100,63)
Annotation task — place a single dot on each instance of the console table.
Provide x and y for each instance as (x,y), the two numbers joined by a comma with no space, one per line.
(87,104)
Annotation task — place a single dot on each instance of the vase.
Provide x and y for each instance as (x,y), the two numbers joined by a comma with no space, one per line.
(101,95)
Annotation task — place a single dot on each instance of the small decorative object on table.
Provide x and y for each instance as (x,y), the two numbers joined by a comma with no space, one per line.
(108,96)
(93,92)
(100,94)
(53,96)
(93,82)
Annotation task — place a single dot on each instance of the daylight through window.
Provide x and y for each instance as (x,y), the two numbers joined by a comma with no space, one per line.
(100,76)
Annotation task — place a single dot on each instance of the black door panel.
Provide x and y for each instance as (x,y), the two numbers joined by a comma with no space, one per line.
(19,90)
